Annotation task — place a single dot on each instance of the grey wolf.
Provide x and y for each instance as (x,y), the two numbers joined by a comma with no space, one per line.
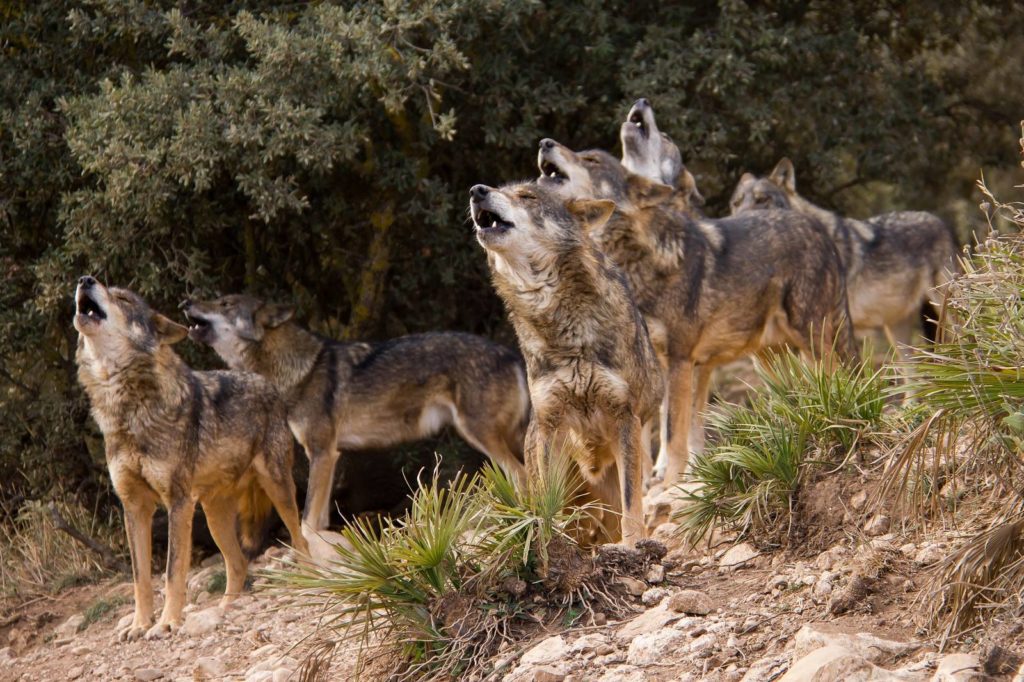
(591,369)
(651,153)
(711,291)
(362,395)
(174,436)
(894,261)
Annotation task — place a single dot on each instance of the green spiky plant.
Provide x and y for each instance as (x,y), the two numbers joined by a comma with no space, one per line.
(808,414)
(443,582)
(970,391)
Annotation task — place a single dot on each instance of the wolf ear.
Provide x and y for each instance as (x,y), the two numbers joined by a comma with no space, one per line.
(167,331)
(747,177)
(592,212)
(784,176)
(272,315)
(688,186)
(644,193)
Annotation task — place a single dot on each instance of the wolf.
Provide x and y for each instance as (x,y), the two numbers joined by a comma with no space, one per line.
(174,436)
(651,153)
(362,395)
(711,291)
(591,370)
(895,262)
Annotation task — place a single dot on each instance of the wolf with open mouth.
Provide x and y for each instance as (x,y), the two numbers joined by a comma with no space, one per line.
(174,436)
(591,370)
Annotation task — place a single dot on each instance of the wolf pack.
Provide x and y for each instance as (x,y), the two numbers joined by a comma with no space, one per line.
(624,297)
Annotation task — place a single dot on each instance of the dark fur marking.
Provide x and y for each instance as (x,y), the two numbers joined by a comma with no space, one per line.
(628,462)
(224,393)
(331,370)
(195,417)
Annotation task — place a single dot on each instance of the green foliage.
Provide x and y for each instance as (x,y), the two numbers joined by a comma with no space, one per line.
(96,611)
(806,416)
(435,582)
(321,152)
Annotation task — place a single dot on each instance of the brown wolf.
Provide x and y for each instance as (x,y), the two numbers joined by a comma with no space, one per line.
(711,290)
(174,436)
(894,261)
(651,153)
(356,395)
(592,372)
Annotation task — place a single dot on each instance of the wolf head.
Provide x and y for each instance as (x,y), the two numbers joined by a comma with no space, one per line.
(115,325)
(233,324)
(595,174)
(774,191)
(527,222)
(646,150)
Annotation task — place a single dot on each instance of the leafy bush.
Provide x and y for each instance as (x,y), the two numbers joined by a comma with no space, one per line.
(806,415)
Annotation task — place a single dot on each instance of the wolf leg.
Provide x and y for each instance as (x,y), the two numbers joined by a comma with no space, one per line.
(630,471)
(700,404)
(322,462)
(221,517)
(493,445)
(138,522)
(281,491)
(179,557)
(680,392)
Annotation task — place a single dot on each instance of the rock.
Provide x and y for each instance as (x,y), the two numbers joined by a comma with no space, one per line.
(959,668)
(653,596)
(825,561)
(285,674)
(550,650)
(200,581)
(858,500)
(147,674)
(836,663)
(547,673)
(76,672)
(208,668)
(814,636)
(259,676)
(587,643)
(704,646)
(929,554)
(668,534)
(908,549)
(204,622)
(6,654)
(655,647)
(738,556)
(69,628)
(648,621)
(631,585)
(823,586)
(623,673)
(655,574)
(659,508)
(692,602)
(877,525)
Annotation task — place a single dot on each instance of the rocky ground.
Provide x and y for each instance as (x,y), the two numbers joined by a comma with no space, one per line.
(724,612)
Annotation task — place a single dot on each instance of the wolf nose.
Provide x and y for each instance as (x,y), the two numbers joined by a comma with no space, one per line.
(643,103)
(547,143)
(86,281)
(479,192)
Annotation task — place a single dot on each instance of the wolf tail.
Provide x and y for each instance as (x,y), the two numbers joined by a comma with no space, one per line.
(253,515)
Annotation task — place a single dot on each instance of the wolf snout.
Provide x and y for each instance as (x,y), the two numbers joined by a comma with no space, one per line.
(86,281)
(185,305)
(479,192)
(642,103)
(547,143)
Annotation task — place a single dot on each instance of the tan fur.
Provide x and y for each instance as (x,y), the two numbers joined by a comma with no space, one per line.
(716,290)
(174,437)
(592,373)
(368,395)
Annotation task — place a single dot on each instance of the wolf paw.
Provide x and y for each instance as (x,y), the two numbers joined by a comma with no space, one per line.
(161,630)
(131,633)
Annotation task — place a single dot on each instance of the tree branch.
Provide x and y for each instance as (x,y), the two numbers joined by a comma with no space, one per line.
(109,558)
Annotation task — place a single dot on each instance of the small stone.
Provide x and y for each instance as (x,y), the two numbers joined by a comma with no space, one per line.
(692,602)
(632,585)
(738,556)
(549,650)
(147,674)
(282,675)
(655,574)
(259,676)
(929,554)
(654,647)
(823,587)
(76,672)
(704,645)
(208,668)
(959,668)
(653,596)
(858,500)
(264,651)
(545,673)
(589,642)
(908,549)
(82,650)
(203,622)
(877,525)
(69,628)
(600,618)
